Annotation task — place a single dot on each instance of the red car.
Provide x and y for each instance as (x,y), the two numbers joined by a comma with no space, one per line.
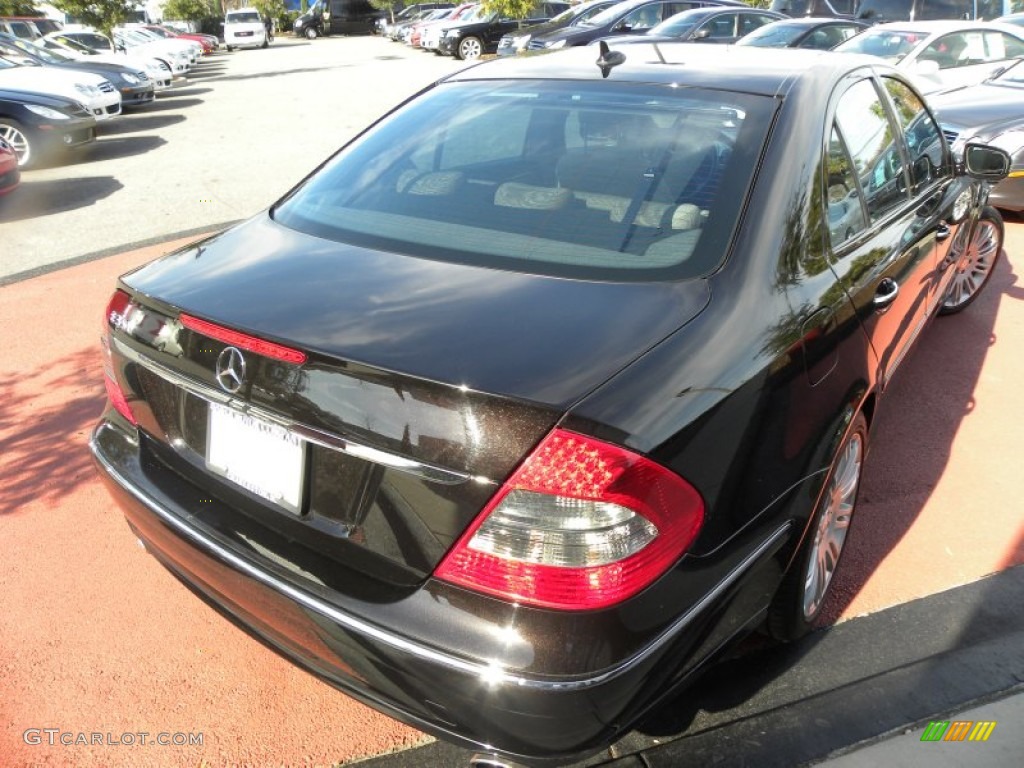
(209,42)
(10,176)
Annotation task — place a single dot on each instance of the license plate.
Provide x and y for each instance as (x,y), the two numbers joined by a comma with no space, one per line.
(259,456)
(243,34)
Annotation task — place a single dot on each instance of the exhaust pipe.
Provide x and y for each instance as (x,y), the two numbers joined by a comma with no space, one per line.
(491,761)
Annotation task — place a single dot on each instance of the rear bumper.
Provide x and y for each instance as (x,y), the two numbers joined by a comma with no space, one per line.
(421,677)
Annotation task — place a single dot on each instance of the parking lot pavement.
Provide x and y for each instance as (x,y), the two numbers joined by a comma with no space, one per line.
(241,131)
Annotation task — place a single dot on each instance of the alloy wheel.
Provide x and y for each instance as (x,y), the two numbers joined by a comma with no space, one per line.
(19,142)
(974,266)
(833,525)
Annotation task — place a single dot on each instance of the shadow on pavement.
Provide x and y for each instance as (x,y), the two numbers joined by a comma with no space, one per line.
(115,147)
(45,416)
(40,198)
(917,423)
(137,123)
(162,104)
(187,90)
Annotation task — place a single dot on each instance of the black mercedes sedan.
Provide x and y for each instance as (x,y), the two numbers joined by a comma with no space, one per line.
(551,384)
(40,126)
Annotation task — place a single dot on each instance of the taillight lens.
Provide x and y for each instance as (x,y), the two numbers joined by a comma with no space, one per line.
(118,310)
(582,524)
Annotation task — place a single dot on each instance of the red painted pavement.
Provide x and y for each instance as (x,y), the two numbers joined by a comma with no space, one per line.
(95,637)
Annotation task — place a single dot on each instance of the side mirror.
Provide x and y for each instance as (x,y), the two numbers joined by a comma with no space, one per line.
(926,67)
(986,163)
(702,34)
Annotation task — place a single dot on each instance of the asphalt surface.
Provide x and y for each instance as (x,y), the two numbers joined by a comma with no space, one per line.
(97,638)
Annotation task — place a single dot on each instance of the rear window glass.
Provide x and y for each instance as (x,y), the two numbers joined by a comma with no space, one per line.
(243,18)
(584,179)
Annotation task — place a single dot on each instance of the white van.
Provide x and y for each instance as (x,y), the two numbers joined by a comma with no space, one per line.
(244,28)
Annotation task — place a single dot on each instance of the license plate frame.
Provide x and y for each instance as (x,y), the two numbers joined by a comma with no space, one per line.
(258,455)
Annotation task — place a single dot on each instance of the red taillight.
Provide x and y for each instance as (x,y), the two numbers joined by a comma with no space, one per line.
(582,524)
(118,311)
(243,340)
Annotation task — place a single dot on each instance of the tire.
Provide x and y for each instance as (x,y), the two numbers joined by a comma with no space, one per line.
(975,263)
(805,587)
(470,48)
(230,47)
(14,134)
(311,33)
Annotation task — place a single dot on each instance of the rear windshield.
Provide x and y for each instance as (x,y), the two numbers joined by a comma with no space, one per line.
(590,179)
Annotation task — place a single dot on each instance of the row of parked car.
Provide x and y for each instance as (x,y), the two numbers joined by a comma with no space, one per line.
(57,86)
(947,59)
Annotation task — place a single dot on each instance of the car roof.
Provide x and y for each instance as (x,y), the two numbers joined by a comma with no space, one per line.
(738,68)
(815,21)
(941,26)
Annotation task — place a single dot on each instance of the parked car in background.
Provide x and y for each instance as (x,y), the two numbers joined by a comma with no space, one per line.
(40,126)
(881,11)
(631,17)
(244,28)
(701,25)
(440,16)
(134,85)
(385,22)
(159,72)
(839,9)
(515,42)
(10,174)
(1017,19)
(821,34)
(941,55)
(410,33)
(209,43)
(544,391)
(472,40)
(138,38)
(991,112)
(339,17)
(175,60)
(432,35)
(97,94)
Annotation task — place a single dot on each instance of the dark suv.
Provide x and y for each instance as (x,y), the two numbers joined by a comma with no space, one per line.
(470,41)
(632,17)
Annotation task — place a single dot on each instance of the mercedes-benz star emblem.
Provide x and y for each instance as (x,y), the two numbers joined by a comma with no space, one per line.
(230,369)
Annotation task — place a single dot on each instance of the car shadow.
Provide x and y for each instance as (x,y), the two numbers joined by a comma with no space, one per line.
(41,198)
(42,437)
(163,104)
(109,148)
(917,423)
(185,90)
(136,122)
(205,72)
(281,73)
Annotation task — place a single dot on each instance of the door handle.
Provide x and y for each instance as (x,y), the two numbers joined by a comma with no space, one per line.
(942,231)
(886,293)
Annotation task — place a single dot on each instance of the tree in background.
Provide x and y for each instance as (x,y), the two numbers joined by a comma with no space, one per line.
(273,9)
(188,10)
(387,5)
(514,9)
(18,8)
(104,15)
